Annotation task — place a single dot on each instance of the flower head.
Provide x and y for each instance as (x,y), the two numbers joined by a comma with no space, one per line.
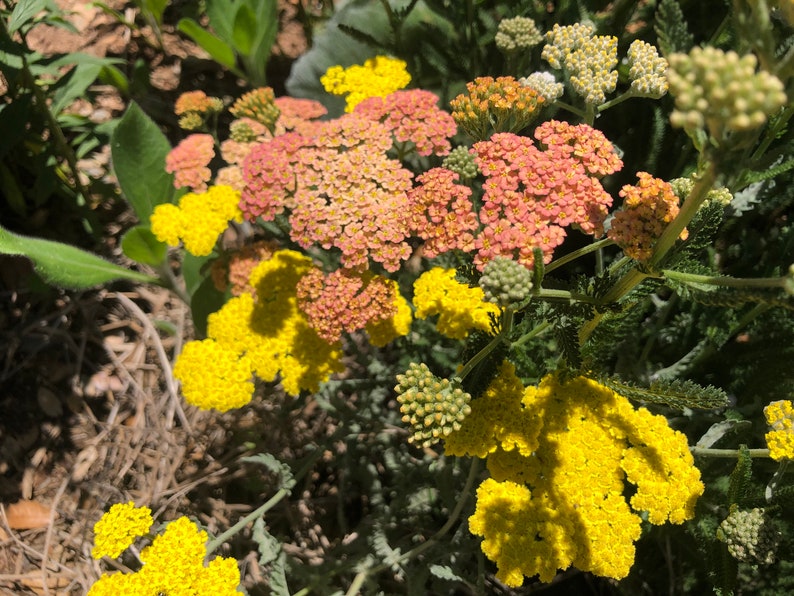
(338,188)
(559,456)
(195,107)
(213,376)
(750,535)
(117,529)
(344,301)
(441,213)
(505,282)
(188,162)
(499,105)
(589,60)
(517,34)
(174,564)
(460,307)
(378,76)
(545,84)
(647,209)
(721,92)
(647,70)
(258,105)
(780,416)
(532,194)
(461,161)
(432,407)
(198,220)
(412,116)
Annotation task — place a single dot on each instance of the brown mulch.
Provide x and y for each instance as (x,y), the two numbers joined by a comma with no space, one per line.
(89,412)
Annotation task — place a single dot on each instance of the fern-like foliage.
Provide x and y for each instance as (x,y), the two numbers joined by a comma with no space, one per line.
(678,394)
(671,28)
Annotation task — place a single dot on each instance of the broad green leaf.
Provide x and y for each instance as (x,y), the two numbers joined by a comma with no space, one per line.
(138,149)
(194,271)
(244,30)
(221,16)
(142,246)
(220,51)
(203,302)
(66,266)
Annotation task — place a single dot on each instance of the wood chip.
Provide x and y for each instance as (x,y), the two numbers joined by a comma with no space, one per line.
(27,515)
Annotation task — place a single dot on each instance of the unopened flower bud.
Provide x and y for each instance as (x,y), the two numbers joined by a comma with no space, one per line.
(433,408)
(505,282)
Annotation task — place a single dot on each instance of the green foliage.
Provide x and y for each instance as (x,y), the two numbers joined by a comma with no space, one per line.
(40,140)
(244,34)
(678,394)
(139,148)
(671,29)
(66,266)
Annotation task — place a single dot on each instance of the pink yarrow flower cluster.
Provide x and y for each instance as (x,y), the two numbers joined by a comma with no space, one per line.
(188,162)
(413,116)
(442,213)
(344,301)
(532,194)
(338,188)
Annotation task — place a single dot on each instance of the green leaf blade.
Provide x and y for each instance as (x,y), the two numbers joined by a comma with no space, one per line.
(66,266)
(138,151)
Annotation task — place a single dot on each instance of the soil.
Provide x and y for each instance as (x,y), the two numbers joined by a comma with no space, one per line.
(89,412)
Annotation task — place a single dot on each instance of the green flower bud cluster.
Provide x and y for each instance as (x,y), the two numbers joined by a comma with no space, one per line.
(647,70)
(518,33)
(461,162)
(545,84)
(505,282)
(191,121)
(432,407)
(721,91)
(683,186)
(588,59)
(749,536)
(242,132)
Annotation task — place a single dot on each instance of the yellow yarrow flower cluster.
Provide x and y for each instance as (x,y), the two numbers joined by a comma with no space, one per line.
(174,564)
(263,334)
(384,331)
(460,307)
(377,77)
(198,220)
(117,529)
(780,416)
(559,455)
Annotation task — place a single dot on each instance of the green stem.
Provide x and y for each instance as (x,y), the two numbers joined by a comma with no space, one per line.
(572,109)
(358,581)
(703,184)
(727,282)
(619,99)
(213,544)
(216,542)
(549,295)
(507,325)
(534,333)
(727,453)
(594,247)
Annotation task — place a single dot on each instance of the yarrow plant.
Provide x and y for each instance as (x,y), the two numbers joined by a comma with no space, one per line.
(507,277)
(173,563)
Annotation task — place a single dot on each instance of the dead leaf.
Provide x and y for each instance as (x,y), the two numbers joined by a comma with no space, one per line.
(27,515)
